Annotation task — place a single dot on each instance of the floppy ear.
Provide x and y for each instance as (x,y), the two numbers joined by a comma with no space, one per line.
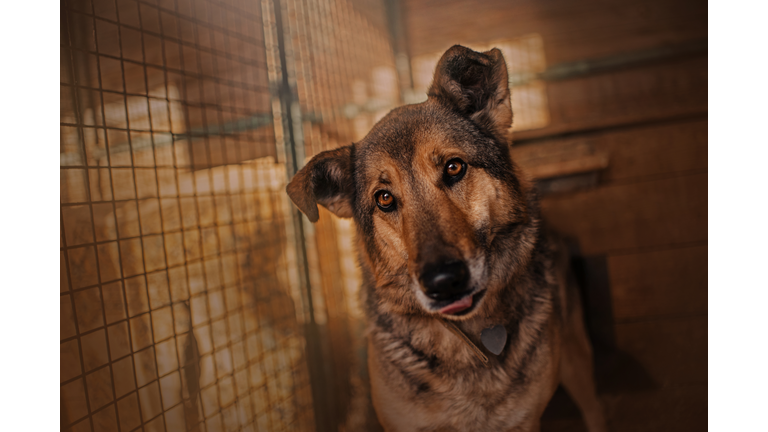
(327,180)
(477,85)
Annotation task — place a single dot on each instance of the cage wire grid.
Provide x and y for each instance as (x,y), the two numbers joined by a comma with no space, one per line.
(146,407)
(334,50)
(181,289)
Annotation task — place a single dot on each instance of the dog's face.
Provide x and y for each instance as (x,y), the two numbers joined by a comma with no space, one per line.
(433,191)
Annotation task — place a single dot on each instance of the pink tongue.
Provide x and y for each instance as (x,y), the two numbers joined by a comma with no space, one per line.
(458,306)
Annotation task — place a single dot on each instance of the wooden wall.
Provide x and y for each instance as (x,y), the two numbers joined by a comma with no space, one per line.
(645,219)
(572,29)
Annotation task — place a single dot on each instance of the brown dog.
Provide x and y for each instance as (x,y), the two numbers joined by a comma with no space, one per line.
(473,320)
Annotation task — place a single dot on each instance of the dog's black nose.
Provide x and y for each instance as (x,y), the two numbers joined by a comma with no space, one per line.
(444,280)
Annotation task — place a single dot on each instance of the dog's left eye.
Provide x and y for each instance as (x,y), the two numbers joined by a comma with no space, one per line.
(454,171)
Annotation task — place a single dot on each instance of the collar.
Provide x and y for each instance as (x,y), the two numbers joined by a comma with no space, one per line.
(494,339)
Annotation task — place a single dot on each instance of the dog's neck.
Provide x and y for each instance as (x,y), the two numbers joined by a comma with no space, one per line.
(486,332)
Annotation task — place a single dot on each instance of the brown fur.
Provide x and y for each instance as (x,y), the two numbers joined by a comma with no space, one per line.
(423,377)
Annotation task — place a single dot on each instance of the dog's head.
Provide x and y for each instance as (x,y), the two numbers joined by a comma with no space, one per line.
(442,216)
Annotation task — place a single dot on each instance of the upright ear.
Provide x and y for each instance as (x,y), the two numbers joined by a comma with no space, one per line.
(477,85)
(326,180)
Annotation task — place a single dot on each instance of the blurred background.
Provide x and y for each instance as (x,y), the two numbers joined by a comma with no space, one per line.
(195,297)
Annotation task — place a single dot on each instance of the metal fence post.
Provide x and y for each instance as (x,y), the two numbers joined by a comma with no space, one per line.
(293,146)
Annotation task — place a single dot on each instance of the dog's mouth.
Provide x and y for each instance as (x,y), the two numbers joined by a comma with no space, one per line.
(461,305)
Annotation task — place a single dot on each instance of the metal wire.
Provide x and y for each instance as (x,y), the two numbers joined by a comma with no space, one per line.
(181,299)
(339,56)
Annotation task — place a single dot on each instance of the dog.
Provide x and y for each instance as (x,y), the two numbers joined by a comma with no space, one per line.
(473,318)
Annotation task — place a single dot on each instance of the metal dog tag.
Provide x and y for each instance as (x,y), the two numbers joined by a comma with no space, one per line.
(494,338)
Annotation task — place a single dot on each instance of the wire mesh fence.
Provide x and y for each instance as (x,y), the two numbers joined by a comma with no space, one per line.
(191,290)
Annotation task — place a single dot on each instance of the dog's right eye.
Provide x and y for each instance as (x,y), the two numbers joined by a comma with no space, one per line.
(385,200)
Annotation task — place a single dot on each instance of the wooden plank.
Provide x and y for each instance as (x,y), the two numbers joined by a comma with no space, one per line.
(679,409)
(636,152)
(667,282)
(655,150)
(671,351)
(576,31)
(625,97)
(572,30)
(578,165)
(667,409)
(626,216)
(669,359)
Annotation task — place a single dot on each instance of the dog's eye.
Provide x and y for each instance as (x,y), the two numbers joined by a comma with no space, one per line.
(454,171)
(385,200)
